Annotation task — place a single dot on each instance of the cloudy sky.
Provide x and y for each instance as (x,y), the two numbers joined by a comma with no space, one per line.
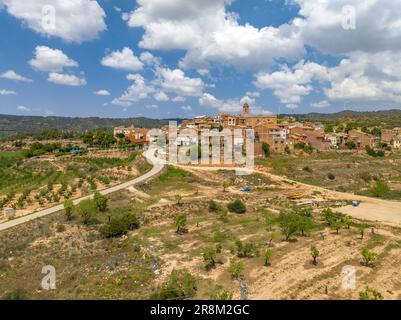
(180,58)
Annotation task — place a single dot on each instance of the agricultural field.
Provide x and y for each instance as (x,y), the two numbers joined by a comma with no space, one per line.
(351,172)
(30,183)
(192,234)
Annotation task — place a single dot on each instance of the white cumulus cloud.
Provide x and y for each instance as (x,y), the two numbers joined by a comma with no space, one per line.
(4,92)
(102,93)
(211,34)
(139,90)
(161,96)
(125,60)
(12,75)
(51,60)
(176,81)
(23,109)
(66,79)
(74,21)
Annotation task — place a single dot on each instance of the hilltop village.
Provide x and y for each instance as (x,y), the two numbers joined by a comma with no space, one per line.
(279,136)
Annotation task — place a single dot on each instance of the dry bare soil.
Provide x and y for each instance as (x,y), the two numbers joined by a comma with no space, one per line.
(134,266)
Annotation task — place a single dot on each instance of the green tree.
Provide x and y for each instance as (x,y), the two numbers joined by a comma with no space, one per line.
(336,225)
(237,206)
(315,254)
(236,268)
(100,202)
(267,257)
(180,221)
(306,224)
(369,257)
(87,210)
(209,256)
(289,224)
(266,149)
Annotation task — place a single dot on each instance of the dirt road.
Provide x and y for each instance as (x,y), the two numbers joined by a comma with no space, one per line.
(372,209)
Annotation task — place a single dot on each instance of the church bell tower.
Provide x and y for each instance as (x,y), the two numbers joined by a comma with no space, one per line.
(245,110)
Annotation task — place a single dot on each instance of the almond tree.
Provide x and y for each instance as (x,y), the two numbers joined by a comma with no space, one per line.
(314,253)
(267,257)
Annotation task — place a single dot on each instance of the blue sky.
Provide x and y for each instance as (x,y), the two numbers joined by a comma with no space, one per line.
(183,58)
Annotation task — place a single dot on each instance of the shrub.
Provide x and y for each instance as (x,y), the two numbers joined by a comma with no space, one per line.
(380,189)
(68,209)
(213,206)
(245,249)
(220,293)
(209,256)
(237,206)
(351,145)
(60,228)
(100,202)
(236,268)
(17,294)
(266,149)
(119,225)
(370,151)
(366,176)
(369,257)
(307,169)
(370,294)
(180,285)
(331,176)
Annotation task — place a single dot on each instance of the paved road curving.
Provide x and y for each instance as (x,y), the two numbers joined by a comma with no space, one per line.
(149,155)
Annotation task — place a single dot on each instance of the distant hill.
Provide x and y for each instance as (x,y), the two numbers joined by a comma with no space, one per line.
(382,118)
(10,124)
